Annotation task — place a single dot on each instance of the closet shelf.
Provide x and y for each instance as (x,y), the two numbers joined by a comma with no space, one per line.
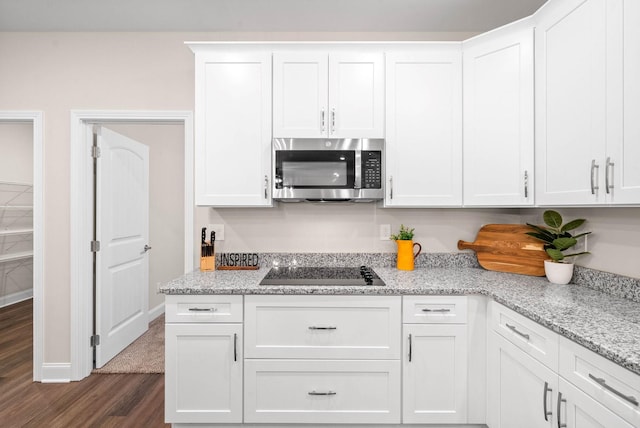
(16,256)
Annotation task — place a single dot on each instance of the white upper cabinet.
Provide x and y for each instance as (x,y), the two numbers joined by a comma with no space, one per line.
(336,95)
(587,102)
(622,163)
(498,117)
(424,127)
(232,127)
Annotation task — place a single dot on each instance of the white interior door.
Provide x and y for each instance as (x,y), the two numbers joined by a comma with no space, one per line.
(122,227)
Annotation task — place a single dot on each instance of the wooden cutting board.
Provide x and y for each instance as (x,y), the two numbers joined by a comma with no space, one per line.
(506,248)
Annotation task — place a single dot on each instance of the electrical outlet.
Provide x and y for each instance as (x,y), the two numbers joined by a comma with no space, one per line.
(218,228)
(385,232)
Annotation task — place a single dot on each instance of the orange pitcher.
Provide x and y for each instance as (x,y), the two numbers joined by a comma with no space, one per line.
(405,254)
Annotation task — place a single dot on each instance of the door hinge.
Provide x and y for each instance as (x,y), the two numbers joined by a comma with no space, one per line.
(95,152)
(95,340)
(95,246)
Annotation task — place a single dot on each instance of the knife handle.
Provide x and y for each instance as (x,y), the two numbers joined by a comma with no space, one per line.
(204,234)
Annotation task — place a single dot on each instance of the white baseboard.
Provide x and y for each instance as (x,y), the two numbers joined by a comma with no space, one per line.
(56,373)
(156,312)
(10,299)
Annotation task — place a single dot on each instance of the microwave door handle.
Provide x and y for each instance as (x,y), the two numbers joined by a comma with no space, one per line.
(358,170)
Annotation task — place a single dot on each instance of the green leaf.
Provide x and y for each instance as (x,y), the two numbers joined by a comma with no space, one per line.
(549,237)
(552,218)
(573,224)
(555,254)
(564,243)
(540,236)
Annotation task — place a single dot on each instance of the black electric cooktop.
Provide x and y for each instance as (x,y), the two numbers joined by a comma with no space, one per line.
(350,276)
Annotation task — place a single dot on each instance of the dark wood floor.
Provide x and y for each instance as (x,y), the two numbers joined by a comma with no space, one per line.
(101,400)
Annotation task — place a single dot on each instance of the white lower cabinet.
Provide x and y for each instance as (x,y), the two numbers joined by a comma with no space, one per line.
(521,390)
(435,373)
(203,359)
(203,373)
(538,379)
(322,391)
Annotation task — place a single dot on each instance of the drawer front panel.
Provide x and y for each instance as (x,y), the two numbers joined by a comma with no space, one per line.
(303,391)
(613,386)
(534,339)
(203,308)
(342,327)
(434,309)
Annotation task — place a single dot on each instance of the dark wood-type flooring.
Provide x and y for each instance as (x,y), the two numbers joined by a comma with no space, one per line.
(101,400)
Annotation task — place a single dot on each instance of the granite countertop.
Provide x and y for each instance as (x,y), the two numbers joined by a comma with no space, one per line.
(605,324)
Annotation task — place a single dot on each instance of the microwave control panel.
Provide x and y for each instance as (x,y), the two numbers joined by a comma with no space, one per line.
(371,169)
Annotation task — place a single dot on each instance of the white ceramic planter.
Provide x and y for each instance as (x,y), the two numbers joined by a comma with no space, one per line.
(558,273)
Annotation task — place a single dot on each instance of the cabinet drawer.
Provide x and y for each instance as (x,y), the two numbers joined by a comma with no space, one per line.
(203,308)
(341,327)
(534,339)
(303,391)
(613,386)
(434,309)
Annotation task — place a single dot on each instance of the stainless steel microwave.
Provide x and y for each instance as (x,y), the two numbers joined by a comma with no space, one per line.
(328,169)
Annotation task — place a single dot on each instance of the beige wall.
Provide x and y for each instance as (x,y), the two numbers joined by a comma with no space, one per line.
(59,72)
(16,152)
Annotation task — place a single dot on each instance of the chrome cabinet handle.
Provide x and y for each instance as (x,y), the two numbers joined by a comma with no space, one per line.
(266,186)
(594,167)
(146,248)
(391,187)
(544,402)
(322,121)
(603,383)
(526,184)
(436,310)
(333,120)
(202,309)
(608,172)
(560,401)
(313,327)
(235,346)
(410,350)
(515,330)
(322,393)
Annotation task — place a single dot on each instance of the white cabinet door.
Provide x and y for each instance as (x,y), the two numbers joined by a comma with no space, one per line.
(203,373)
(300,88)
(233,128)
(578,410)
(498,117)
(521,390)
(424,127)
(356,95)
(621,166)
(435,373)
(570,102)
(320,94)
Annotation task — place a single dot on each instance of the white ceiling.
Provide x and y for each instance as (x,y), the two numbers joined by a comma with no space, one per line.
(262,15)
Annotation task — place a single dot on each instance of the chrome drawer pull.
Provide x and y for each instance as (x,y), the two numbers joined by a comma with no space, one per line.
(322,393)
(515,330)
(313,327)
(560,401)
(602,382)
(547,413)
(436,310)
(202,309)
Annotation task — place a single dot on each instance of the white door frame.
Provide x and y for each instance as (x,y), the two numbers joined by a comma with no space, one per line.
(37,120)
(82,218)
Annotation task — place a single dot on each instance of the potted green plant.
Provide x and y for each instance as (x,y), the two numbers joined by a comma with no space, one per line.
(557,239)
(404,241)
